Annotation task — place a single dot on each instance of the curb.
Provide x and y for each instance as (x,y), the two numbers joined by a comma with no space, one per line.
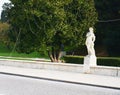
(56,80)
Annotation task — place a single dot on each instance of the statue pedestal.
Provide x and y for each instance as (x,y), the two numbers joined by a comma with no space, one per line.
(89,60)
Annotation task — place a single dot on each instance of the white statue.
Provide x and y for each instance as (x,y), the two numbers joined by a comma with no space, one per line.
(90,59)
(90,42)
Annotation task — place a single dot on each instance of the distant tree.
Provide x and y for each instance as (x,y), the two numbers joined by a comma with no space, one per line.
(50,24)
(4,15)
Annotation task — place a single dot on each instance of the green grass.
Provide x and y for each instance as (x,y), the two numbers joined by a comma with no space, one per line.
(4,51)
(31,55)
(24,58)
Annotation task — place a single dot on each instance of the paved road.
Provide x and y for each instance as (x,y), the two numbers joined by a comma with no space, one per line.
(15,85)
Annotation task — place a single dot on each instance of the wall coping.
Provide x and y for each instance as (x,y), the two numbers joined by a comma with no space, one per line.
(67,67)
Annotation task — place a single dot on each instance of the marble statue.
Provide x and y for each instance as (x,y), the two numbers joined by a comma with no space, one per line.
(90,59)
(90,42)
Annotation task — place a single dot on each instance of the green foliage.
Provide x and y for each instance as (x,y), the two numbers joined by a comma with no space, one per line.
(109,61)
(104,61)
(73,59)
(4,27)
(3,48)
(4,15)
(50,23)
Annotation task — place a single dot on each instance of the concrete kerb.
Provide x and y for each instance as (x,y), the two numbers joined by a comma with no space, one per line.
(99,70)
(57,80)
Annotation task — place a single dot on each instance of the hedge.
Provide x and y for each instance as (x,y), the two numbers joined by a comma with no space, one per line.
(104,61)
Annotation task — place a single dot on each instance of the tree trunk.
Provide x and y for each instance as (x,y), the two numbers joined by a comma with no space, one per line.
(54,55)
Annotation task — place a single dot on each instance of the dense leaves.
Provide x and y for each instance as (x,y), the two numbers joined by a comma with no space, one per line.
(4,27)
(50,24)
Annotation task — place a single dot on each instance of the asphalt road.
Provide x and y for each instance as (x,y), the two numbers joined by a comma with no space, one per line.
(16,85)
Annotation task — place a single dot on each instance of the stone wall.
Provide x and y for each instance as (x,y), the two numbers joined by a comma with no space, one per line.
(99,70)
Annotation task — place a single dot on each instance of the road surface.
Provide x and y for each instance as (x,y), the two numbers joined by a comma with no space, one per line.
(17,85)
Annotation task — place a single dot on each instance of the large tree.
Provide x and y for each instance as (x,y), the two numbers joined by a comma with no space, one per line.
(50,24)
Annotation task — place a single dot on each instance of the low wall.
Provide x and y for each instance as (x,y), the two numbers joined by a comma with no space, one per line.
(99,70)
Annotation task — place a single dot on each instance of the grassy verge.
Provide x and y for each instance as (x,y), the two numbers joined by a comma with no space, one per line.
(27,59)
(5,52)
(24,55)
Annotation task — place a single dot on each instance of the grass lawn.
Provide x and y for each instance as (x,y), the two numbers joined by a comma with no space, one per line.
(4,51)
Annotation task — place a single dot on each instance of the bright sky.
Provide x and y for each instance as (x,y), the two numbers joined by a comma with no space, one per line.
(1,4)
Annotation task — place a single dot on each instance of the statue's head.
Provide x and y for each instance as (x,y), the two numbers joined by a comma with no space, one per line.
(91,29)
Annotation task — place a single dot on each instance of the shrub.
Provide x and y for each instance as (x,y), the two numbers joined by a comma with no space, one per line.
(73,59)
(104,61)
(108,61)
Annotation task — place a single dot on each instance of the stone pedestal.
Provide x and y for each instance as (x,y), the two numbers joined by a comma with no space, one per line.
(89,60)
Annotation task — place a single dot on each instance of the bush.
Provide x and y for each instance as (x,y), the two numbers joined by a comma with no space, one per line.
(104,61)
(108,61)
(73,59)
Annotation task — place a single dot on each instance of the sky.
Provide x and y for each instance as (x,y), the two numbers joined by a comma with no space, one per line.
(1,4)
